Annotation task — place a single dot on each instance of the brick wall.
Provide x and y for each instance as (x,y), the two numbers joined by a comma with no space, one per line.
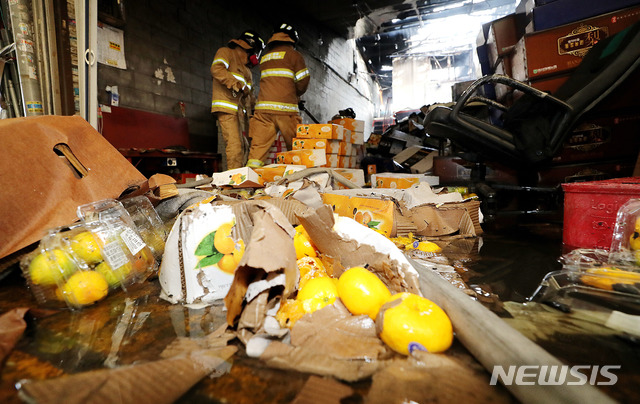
(169,46)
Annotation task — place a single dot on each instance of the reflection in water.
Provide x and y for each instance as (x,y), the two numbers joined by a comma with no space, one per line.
(512,264)
(196,322)
(129,325)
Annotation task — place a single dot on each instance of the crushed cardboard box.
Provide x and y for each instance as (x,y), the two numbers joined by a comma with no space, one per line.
(183,277)
(417,210)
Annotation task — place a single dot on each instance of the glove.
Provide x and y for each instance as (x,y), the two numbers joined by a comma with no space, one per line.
(237,87)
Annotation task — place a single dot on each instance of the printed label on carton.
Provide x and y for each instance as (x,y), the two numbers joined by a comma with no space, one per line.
(376,214)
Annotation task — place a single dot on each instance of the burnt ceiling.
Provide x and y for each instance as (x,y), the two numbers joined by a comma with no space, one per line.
(381,28)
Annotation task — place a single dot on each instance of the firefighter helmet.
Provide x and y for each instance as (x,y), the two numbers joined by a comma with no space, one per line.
(289,30)
(254,40)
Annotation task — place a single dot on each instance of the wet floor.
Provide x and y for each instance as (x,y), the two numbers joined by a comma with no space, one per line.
(512,261)
(122,330)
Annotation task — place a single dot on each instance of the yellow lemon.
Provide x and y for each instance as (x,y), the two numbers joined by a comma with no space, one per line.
(87,247)
(51,267)
(611,276)
(426,246)
(290,311)
(114,277)
(85,287)
(303,246)
(310,267)
(222,240)
(300,229)
(362,292)
(317,293)
(143,261)
(409,322)
(634,241)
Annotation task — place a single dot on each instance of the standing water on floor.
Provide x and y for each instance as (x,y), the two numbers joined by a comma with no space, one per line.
(511,262)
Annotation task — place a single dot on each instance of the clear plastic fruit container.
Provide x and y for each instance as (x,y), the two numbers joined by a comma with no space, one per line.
(120,231)
(601,289)
(80,264)
(625,243)
(149,225)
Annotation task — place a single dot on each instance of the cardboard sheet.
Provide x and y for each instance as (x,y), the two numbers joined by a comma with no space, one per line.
(131,384)
(50,165)
(269,250)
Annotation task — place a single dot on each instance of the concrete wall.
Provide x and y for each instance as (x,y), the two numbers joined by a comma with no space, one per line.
(169,46)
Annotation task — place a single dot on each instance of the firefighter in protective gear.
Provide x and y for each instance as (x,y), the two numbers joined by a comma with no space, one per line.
(232,90)
(284,77)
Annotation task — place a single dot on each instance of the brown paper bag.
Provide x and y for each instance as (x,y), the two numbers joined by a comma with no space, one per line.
(49,166)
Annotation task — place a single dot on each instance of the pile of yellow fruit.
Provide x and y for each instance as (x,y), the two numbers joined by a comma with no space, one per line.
(405,321)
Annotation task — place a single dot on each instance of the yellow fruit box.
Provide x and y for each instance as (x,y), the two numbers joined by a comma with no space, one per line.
(400,180)
(243,177)
(338,161)
(356,138)
(380,181)
(274,172)
(307,158)
(377,214)
(320,131)
(354,175)
(332,146)
(354,125)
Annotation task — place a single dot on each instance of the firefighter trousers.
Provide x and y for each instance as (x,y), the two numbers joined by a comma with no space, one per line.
(230,128)
(263,128)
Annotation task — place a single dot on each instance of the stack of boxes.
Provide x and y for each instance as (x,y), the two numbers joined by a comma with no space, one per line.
(541,45)
(545,40)
(332,144)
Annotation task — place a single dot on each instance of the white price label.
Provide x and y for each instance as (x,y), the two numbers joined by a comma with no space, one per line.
(114,255)
(132,240)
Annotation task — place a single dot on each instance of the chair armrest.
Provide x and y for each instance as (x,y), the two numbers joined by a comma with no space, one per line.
(488,101)
(467,95)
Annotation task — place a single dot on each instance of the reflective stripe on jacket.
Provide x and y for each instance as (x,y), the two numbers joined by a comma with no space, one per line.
(230,75)
(284,77)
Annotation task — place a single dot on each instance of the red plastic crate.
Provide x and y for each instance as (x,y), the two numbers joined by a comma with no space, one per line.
(590,210)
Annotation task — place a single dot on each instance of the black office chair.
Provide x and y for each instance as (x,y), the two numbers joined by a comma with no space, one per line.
(528,134)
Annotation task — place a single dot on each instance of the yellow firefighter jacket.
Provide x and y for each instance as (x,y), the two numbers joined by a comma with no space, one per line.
(284,77)
(230,76)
